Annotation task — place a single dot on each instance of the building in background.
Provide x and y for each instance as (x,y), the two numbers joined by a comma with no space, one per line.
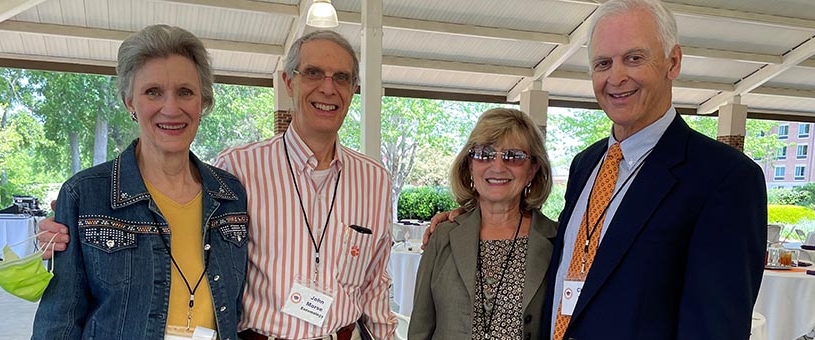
(793,164)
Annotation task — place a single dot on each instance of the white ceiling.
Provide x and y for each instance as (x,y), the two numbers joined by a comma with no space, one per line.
(758,51)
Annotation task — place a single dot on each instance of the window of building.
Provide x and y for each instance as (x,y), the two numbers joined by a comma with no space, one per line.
(799,172)
(779,173)
(801,152)
(782,153)
(783,131)
(803,130)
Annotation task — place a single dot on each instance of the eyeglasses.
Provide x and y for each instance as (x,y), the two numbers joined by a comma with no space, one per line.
(486,154)
(316,75)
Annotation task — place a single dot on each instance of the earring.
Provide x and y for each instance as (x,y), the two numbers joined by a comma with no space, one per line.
(526,189)
(133,116)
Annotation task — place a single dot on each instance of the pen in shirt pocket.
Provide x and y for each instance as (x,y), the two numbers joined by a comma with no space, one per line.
(356,228)
(360,229)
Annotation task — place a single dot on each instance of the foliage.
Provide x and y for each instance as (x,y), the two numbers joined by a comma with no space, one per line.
(788,214)
(786,196)
(423,202)
(20,169)
(431,168)
(554,204)
(575,130)
(809,190)
(241,115)
(416,131)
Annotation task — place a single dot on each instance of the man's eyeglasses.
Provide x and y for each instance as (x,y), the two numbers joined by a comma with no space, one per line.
(487,154)
(316,75)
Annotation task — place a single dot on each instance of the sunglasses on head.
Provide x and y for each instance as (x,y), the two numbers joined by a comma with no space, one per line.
(486,153)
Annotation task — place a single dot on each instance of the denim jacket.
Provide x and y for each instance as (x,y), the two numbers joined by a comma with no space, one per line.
(113,280)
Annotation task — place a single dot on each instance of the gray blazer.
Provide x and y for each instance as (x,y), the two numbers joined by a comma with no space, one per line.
(445,284)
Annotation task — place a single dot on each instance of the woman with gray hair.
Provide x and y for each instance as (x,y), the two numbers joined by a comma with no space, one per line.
(161,247)
(482,275)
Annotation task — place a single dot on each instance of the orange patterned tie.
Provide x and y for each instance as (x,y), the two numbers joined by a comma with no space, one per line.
(599,200)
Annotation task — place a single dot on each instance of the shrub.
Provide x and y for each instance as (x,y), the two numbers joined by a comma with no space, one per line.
(421,203)
(787,196)
(788,214)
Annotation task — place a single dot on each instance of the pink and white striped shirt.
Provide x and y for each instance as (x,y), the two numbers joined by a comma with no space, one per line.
(352,265)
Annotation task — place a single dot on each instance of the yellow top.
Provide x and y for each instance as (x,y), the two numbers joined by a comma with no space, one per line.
(186,242)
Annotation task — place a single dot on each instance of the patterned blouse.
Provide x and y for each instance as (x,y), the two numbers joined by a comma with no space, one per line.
(500,314)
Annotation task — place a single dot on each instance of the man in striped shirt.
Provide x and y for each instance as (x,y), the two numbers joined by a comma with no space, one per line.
(320,212)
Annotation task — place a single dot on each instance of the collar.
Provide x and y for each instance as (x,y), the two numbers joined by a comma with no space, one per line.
(303,159)
(636,147)
(127,185)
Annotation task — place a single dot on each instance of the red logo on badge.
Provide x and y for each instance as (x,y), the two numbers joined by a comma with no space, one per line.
(355,251)
(295,298)
(567,293)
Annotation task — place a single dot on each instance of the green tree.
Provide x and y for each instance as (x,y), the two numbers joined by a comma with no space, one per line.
(412,127)
(576,130)
(242,114)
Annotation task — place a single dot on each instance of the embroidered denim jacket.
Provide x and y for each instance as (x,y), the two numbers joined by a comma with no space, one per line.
(113,280)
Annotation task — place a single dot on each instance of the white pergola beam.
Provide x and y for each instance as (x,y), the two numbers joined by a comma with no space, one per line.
(10,8)
(686,84)
(730,55)
(118,36)
(784,92)
(458,29)
(720,13)
(243,5)
(794,57)
(442,65)
(557,57)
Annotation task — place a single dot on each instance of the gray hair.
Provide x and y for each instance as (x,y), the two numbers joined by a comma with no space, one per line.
(161,41)
(664,19)
(293,57)
(494,126)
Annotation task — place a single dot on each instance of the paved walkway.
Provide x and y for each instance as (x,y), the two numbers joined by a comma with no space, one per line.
(17,317)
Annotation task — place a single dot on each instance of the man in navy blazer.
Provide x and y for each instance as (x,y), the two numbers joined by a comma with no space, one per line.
(682,244)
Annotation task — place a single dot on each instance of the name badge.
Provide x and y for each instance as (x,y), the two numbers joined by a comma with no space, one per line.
(307,304)
(568,300)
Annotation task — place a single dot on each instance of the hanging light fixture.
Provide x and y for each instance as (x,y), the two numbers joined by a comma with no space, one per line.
(322,14)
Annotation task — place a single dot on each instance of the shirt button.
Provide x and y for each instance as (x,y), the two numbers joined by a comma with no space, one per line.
(223,308)
(207,246)
(216,278)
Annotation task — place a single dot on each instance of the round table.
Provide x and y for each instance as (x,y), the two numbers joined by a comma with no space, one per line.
(758,328)
(403,266)
(786,301)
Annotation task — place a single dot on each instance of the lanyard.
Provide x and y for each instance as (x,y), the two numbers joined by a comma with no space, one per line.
(316,245)
(187,283)
(488,321)
(590,232)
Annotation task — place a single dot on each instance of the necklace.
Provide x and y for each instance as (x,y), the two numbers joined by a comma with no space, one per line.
(482,278)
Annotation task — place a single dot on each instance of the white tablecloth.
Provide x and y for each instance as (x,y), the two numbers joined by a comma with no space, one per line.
(14,230)
(758,329)
(787,301)
(403,267)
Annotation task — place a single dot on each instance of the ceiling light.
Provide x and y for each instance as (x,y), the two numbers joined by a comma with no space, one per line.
(322,14)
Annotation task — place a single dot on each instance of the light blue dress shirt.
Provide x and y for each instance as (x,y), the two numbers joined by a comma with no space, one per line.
(635,150)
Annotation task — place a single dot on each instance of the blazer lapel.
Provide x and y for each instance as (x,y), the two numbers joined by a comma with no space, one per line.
(538,255)
(643,197)
(464,247)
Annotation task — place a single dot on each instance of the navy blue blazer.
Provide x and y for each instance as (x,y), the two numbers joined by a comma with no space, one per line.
(683,255)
